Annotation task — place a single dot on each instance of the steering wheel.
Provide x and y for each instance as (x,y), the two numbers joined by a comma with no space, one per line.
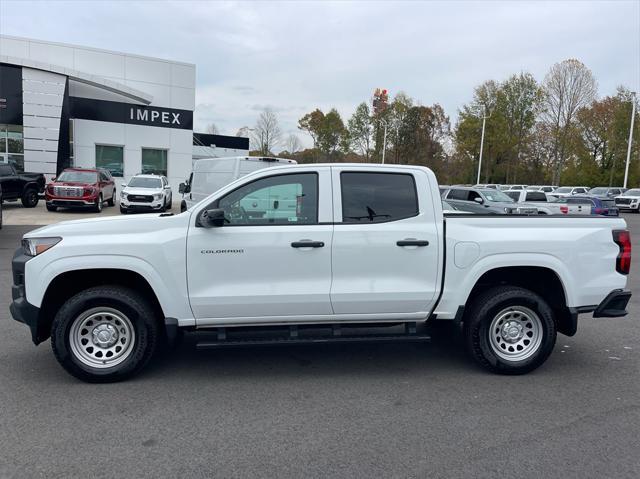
(238,212)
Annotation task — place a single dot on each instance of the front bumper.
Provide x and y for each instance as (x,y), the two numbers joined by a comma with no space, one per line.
(21,310)
(155,205)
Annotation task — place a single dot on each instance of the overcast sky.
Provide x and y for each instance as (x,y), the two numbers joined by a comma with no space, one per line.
(296,56)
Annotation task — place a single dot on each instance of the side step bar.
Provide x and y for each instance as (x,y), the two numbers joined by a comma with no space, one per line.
(294,335)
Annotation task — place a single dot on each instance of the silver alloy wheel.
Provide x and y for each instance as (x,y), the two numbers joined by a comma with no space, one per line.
(102,337)
(99,204)
(515,333)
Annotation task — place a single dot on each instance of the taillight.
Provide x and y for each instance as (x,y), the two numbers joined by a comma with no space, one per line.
(623,262)
(564,210)
(599,211)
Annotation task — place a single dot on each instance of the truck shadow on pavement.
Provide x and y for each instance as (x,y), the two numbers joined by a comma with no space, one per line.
(443,353)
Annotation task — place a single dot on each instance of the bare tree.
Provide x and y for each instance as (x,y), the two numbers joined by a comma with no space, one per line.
(212,129)
(267,133)
(293,144)
(568,87)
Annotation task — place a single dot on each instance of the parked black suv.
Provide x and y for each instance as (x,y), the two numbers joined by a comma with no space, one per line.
(21,186)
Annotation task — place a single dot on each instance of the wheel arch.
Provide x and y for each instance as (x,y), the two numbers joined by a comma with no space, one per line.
(67,284)
(542,280)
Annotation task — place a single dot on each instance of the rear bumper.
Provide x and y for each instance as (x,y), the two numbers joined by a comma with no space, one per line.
(614,305)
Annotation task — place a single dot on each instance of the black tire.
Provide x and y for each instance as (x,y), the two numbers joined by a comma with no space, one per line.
(123,301)
(0,214)
(164,206)
(169,204)
(112,200)
(500,302)
(99,202)
(52,208)
(30,198)
(123,211)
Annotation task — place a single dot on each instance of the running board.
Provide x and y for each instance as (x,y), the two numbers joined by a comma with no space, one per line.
(293,335)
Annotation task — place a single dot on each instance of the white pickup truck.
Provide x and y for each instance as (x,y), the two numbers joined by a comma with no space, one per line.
(363,252)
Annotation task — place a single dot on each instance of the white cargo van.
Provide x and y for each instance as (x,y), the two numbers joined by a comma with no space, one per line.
(211,174)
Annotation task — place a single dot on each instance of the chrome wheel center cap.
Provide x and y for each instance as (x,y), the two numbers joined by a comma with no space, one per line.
(512,331)
(104,335)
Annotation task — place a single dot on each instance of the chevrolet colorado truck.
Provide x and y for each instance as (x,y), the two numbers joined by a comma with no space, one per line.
(315,253)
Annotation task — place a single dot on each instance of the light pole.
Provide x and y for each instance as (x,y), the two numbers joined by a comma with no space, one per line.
(484,121)
(633,117)
(384,139)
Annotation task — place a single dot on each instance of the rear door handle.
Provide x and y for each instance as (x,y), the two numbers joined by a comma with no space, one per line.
(412,242)
(307,244)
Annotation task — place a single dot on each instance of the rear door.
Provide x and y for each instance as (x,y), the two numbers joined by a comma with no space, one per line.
(385,243)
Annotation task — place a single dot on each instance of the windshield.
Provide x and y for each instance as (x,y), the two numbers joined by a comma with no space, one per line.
(78,176)
(495,195)
(141,182)
(633,192)
(598,191)
(564,189)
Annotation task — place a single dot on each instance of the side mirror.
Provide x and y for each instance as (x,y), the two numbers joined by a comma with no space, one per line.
(181,188)
(124,185)
(53,179)
(211,218)
(478,200)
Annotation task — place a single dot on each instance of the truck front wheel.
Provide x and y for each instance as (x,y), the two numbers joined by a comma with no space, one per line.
(104,334)
(510,330)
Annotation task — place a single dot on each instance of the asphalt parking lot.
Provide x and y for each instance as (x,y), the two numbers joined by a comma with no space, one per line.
(369,410)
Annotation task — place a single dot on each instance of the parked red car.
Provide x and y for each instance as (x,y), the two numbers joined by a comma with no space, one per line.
(81,188)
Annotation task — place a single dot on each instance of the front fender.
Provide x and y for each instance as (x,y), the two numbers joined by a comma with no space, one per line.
(174,303)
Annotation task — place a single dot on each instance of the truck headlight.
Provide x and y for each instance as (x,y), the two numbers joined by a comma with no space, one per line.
(157,196)
(36,246)
(122,194)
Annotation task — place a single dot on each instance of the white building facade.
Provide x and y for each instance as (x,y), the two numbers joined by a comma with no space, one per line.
(77,106)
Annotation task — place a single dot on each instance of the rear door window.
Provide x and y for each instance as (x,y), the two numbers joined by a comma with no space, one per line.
(377,197)
(536,196)
(462,195)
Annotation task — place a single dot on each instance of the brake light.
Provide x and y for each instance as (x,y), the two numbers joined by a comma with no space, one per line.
(623,261)
(564,209)
(599,211)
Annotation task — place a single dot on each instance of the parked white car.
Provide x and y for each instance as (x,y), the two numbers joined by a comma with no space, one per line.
(211,174)
(543,188)
(147,193)
(365,245)
(629,200)
(565,191)
(545,205)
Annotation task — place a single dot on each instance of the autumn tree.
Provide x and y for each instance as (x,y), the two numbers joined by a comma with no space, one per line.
(568,87)
(360,127)
(267,133)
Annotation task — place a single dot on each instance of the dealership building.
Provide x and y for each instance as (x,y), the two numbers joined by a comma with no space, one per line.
(66,105)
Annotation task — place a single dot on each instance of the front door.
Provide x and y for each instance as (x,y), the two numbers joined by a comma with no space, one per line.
(386,252)
(272,258)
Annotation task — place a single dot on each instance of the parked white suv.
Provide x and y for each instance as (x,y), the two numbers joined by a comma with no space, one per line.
(146,193)
(629,200)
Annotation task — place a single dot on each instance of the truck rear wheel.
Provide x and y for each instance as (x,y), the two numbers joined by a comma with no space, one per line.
(104,334)
(510,330)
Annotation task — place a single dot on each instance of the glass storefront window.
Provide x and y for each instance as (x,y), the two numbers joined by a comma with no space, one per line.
(18,162)
(12,146)
(154,161)
(15,143)
(110,158)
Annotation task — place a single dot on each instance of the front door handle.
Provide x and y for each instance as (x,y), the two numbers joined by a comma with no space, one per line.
(412,242)
(307,244)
